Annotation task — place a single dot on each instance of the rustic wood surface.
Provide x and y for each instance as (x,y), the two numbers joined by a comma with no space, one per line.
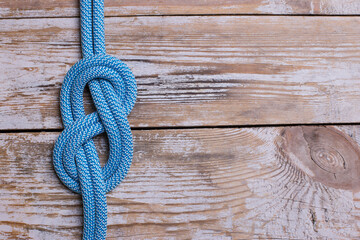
(196,184)
(213,78)
(70,8)
(194,70)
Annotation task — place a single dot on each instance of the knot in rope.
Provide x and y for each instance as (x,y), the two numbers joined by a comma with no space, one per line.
(113,89)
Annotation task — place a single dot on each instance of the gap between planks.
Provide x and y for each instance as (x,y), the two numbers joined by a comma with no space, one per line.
(192,15)
(51,8)
(54,130)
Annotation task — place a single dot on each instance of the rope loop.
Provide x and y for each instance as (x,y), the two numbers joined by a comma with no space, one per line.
(76,162)
(113,89)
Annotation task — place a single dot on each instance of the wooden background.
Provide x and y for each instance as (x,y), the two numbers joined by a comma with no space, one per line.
(245,126)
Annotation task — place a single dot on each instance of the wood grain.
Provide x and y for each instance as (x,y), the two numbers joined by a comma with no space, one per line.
(193,71)
(216,69)
(195,183)
(69,8)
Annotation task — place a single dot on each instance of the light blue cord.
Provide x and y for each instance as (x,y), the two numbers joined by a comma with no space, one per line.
(113,90)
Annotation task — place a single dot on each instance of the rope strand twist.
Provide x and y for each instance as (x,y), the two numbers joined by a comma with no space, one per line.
(113,89)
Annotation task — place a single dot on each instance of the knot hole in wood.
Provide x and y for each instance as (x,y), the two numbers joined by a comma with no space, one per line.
(324,154)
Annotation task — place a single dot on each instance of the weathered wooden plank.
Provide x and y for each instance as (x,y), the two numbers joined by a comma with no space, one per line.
(69,8)
(292,182)
(193,71)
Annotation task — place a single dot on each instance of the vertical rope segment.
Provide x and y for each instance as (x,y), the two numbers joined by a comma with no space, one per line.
(113,89)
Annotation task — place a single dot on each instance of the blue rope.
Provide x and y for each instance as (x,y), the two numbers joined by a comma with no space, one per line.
(113,90)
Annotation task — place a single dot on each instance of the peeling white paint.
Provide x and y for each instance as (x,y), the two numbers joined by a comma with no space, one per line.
(275,7)
(339,7)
